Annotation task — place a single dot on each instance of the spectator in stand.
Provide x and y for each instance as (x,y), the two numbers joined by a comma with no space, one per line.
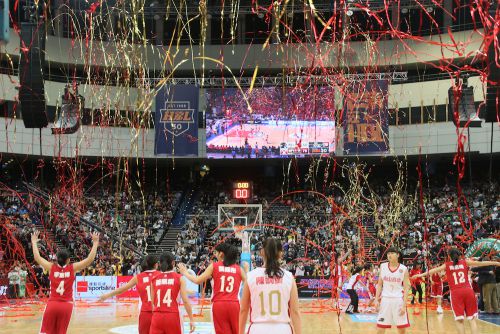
(487,282)
(22,280)
(14,282)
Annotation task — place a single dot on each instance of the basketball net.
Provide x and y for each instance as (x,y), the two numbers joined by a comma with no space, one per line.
(244,236)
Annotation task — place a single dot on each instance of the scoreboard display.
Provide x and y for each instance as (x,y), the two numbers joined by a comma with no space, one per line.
(242,190)
(306,148)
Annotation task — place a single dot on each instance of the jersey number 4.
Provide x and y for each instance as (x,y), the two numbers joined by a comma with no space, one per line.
(167,299)
(60,288)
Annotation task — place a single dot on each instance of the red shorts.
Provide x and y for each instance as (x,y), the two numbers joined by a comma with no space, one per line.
(463,303)
(56,317)
(166,323)
(145,322)
(225,315)
(437,289)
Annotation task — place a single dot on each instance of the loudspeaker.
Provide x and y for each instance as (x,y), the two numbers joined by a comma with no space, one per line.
(492,104)
(4,21)
(32,91)
(493,59)
(493,85)
(466,107)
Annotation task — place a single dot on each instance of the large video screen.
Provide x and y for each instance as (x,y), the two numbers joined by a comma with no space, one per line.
(297,122)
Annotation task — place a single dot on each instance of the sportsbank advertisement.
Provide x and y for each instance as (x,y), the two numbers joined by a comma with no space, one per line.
(95,286)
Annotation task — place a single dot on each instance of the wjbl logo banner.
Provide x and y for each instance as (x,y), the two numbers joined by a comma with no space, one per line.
(176,121)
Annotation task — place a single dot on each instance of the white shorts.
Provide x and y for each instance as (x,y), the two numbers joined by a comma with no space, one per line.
(389,313)
(268,327)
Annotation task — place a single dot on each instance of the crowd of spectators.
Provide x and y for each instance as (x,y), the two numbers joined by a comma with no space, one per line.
(247,151)
(311,232)
(133,219)
(312,227)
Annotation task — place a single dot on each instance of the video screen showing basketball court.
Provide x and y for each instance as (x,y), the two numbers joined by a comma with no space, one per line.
(265,124)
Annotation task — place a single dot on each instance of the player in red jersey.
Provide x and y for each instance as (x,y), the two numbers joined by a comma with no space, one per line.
(416,284)
(437,290)
(227,277)
(143,282)
(57,314)
(370,282)
(462,297)
(166,287)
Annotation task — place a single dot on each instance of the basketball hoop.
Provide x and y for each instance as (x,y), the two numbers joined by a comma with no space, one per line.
(241,233)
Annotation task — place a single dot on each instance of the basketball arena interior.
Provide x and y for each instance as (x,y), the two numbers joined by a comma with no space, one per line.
(343,130)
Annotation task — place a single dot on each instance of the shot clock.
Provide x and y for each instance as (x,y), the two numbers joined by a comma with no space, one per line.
(242,190)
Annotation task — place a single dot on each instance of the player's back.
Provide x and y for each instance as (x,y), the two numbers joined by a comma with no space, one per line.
(392,279)
(458,275)
(436,279)
(269,296)
(61,282)
(144,288)
(166,287)
(226,282)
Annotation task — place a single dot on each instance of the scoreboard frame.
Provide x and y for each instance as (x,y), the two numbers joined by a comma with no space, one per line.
(242,190)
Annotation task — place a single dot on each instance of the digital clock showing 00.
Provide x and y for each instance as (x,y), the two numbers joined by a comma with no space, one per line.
(242,190)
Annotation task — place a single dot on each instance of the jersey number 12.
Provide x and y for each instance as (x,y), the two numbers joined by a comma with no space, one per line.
(460,279)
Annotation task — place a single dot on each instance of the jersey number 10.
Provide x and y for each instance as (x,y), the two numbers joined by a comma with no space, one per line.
(273,294)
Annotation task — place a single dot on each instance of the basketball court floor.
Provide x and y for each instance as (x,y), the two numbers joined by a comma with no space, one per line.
(120,317)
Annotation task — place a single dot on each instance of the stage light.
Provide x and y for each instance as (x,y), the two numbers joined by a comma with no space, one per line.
(349,12)
(404,10)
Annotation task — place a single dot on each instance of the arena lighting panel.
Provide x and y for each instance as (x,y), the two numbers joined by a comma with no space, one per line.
(278,80)
(156,7)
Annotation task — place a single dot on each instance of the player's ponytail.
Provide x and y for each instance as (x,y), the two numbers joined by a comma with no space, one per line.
(230,255)
(62,257)
(272,249)
(149,262)
(454,255)
(167,261)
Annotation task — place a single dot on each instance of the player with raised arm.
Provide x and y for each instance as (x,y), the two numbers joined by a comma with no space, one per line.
(143,283)
(392,293)
(166,287)
(227,277)
(462,297)
(57,314)
(270,296)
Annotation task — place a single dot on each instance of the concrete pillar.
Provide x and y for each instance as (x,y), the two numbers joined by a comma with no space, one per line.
(395,16)
(208,30)
(241,28)
(58,20)
(448,7)
(159,26)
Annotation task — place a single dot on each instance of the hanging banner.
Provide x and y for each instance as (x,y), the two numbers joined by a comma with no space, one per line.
(366,118)
(176,121)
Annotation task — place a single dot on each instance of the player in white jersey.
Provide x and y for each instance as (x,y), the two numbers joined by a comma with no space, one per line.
(392,293)
(271,295)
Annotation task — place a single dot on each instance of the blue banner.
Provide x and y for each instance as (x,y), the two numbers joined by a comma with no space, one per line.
(366,119)
(176,121)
